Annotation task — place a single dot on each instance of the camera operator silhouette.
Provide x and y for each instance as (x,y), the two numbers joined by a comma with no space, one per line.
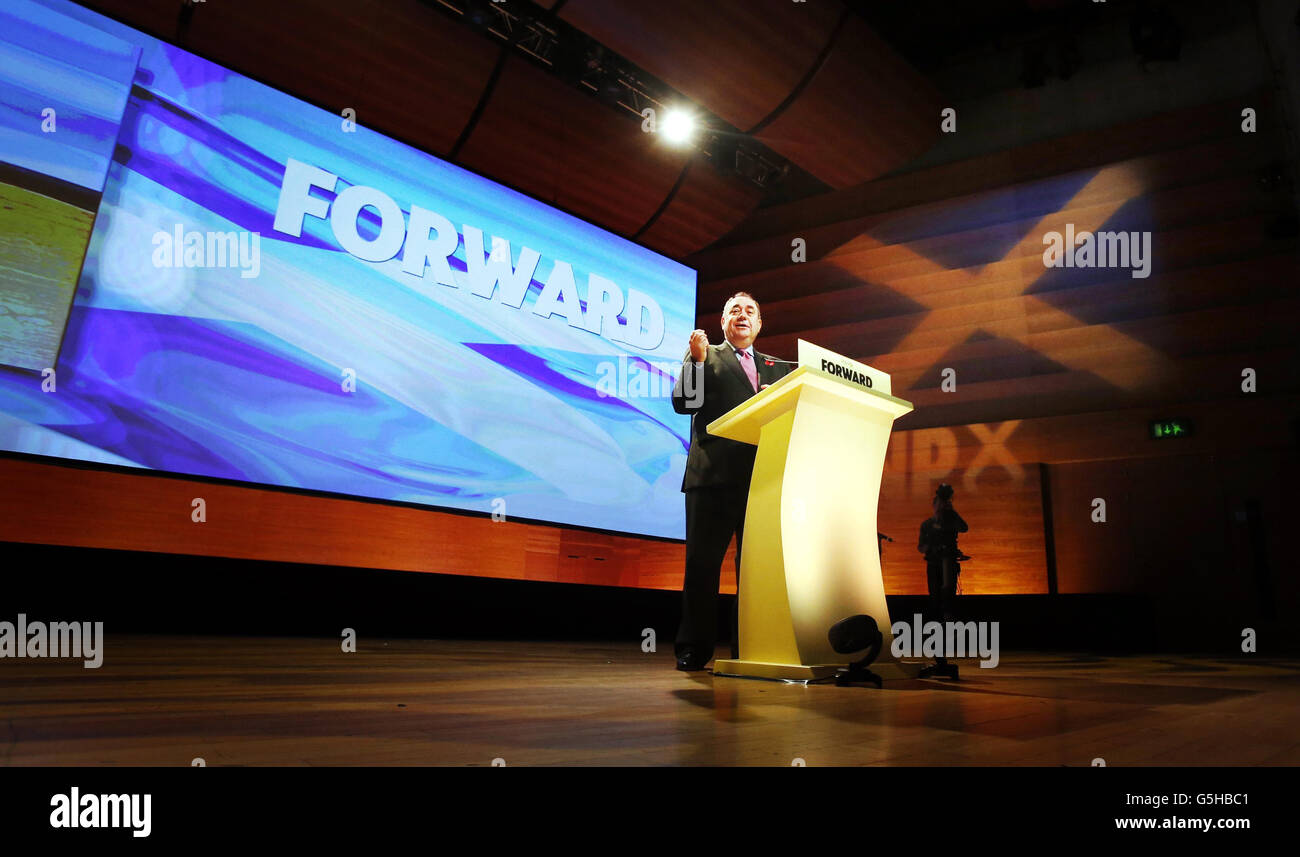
(938,541)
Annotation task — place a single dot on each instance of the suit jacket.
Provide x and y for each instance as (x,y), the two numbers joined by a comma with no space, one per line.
(716,461)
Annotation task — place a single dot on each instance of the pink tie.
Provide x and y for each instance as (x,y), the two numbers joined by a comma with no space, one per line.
(747,363)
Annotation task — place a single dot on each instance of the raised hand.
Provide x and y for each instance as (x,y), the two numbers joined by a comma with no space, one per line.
(699,345)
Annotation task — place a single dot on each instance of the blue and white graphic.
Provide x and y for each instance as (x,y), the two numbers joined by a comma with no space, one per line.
(410,331)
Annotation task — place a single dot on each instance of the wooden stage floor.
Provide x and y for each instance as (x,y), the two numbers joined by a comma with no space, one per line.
(294,701)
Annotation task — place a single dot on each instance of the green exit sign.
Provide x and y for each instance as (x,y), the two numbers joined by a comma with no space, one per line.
(1161,429)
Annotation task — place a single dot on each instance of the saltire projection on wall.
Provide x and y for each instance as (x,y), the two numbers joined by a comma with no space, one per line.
(275,295)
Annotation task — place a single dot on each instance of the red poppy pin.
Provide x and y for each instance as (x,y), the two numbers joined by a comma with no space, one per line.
(768,363)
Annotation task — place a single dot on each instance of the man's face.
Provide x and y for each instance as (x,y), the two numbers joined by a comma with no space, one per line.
(741,322)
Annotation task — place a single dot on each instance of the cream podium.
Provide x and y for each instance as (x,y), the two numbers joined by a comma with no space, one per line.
(811,556)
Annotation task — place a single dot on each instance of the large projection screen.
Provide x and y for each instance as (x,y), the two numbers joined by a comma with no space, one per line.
(204,276)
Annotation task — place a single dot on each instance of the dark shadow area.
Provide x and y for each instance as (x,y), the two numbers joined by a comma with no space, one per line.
(160,593)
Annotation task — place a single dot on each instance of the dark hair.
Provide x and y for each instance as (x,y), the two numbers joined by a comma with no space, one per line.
(944,492)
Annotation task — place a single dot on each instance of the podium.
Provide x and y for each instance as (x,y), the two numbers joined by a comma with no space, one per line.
(810,554)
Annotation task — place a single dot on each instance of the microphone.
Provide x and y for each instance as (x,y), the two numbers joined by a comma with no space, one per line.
(772,361)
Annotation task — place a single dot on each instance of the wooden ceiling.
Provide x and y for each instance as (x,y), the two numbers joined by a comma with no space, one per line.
(810,81)
(554,143)
(737,59)
(421,88)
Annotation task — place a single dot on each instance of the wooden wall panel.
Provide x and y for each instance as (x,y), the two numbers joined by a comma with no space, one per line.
(52,504)
(1259,482)
(1087,149)
(1190,186)
(1000,499)
(1211,161)
(1164,516)
(1160,494)
(960,283)
(1170,534)
(994,468)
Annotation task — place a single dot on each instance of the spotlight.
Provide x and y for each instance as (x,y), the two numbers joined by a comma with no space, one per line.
(677,126)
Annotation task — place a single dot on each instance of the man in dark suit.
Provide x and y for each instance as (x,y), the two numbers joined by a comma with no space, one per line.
(714,379)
